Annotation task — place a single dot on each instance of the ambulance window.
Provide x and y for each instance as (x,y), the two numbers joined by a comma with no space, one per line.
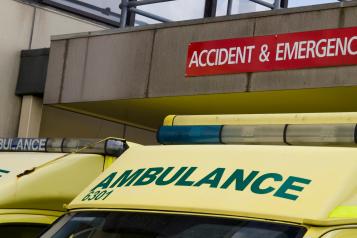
(22,230)
(146,225)
(341,233)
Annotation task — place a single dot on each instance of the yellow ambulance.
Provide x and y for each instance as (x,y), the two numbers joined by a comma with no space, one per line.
(39,175)
(235,176)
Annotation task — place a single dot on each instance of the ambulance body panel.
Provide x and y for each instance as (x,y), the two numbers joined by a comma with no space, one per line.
(300,187)
(48,185)
(269,182)
(202,187)
(28,216)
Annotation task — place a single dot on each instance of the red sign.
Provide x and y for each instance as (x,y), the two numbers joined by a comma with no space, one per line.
(276,52)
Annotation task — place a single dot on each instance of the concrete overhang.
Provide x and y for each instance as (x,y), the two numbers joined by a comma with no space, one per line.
(149,113)
(137,75)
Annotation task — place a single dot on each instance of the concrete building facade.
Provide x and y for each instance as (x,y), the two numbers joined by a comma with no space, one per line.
(137,76)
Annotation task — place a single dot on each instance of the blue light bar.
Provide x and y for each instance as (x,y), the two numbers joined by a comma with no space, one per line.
(189,135)
(343,134)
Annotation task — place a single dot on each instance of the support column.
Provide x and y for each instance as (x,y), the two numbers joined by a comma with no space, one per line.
(30,117)
(130,18)
(284,3)
(210,8)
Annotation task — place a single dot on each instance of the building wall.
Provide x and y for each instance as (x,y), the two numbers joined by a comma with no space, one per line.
(150,62)
(61,123)
(16,20)
(26,26)
(137,75)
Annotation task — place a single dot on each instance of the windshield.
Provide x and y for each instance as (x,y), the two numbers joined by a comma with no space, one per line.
(147,225)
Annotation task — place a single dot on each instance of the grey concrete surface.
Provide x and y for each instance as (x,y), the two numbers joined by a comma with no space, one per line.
(297,22)
(115,67)
(167,77)
(55,69)
(348,17)
(150,61)
(140,136)
(75,68)
(301,79)
(62,123)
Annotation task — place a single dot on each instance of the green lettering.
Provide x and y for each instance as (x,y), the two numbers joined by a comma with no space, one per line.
(212,178)
(105,182)
(106,195)
(4,171)
(183,180)
(289,185)
(149,176)
(160,180)
(256,186)
(238,178)
(127,178)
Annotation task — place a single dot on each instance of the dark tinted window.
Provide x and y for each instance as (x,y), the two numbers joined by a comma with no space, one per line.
(21,230)
(146,225)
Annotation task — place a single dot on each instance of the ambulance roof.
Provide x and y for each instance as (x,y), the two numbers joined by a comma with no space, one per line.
(311,185)
(37,180)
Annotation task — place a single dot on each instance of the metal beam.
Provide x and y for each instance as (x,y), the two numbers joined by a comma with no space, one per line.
(263,3)
(130,18)
(124,13)
(210,8)
(277,4)
(284,3)
(146,2)
(229,7)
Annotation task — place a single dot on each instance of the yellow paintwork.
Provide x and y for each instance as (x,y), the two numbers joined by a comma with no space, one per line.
(333,173)
(28,216)
(50,185)
(344,211)
(39,184)
(342,233)
(326,231)
(261,119)
(169,120)
(108,161)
